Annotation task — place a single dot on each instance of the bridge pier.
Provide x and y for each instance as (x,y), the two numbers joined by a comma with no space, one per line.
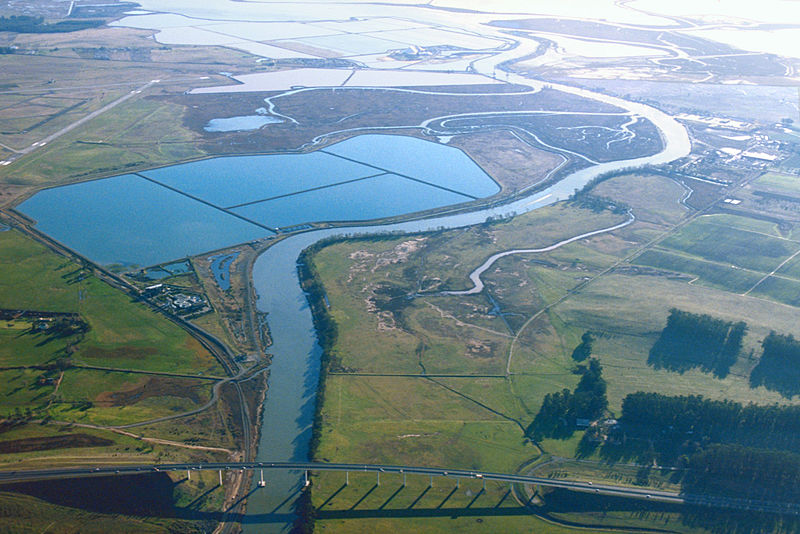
(404,478)
(484,485)
(347,478)
(188,474)
(261,482)
(220,477)
(378,483)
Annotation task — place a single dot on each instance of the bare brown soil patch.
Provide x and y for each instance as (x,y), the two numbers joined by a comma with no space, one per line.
(135,353)
(10,193)
(154,387)
(512,163)
(67,441)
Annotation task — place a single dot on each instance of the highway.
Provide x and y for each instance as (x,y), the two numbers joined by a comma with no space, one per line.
(648,494)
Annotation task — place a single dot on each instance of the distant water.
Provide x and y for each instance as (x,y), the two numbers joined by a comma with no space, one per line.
(240,124)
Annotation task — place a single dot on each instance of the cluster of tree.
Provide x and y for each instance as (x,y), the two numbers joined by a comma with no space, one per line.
(677,425)
(27,24)
(779,367)
(584,350)
(736,471)
(598,203)
(560,410)
(690,340)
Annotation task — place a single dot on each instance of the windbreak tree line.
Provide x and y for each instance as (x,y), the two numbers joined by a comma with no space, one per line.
(690,340)
(675,422)
(779,366)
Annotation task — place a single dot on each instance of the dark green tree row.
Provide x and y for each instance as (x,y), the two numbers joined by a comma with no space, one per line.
(779,367)
(676,425)
(326,333)
(736,471)
(690,340)
(26,24)
(561,410)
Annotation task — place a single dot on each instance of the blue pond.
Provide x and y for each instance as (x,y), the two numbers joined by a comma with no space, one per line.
(239,124)
(231,181)
(170,213)
(221,268)
(380,196)
(130,221)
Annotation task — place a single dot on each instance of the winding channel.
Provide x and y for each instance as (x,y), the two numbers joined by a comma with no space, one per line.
(289,406)
(475,276)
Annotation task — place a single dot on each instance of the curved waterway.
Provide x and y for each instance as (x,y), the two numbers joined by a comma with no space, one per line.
(294,373)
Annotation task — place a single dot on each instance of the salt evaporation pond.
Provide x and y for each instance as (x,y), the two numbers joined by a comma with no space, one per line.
(155,216)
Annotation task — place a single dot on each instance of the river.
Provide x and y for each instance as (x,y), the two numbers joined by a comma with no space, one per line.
(294,373)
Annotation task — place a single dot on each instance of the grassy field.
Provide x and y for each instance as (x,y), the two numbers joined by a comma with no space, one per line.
(787,184)
(122,334)
(729,252)
(73,74)
(110,144)
(476,420)
(364,506)
(727,277)
(23,513)
(780,289)
(725,244)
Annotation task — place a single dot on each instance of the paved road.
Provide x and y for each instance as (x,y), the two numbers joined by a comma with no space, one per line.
(587,487)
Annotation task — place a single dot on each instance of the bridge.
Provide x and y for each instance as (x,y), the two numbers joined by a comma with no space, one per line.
(403,471)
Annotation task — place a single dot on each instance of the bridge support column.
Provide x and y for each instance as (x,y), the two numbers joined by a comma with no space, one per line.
(347,478)
(484,485)
(220,477)
(404,478)
(188,474)
(378,483)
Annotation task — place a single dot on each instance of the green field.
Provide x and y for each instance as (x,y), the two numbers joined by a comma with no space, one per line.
(23,513)
(723,243)
(787,184)
(122,333)
(365,506)
(709,273)
(41,378)
(780,289)
(476,421)
(728,252)
(110,144)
